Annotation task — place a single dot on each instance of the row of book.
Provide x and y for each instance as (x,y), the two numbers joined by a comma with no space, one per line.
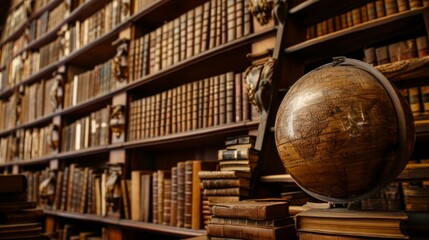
(88,131)
(397,51)
(36,102)
(198,30)
(26,144)
(139,5)
(371,11)
(418,98)
(28,63)
(79,232)
(169,197)
(47,21)
(101,22)
(11,48)
(16,18)
(9,117)
(89,84)
(209,102)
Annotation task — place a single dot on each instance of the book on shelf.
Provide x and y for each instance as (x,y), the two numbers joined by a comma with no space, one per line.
(225,183)
(250,154)
(223,174)
(141,182)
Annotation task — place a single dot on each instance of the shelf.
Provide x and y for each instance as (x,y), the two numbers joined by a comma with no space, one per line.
(194,138)
(305,9)
(359,36)
(147,227)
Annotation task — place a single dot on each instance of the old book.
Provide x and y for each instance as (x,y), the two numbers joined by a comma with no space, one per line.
(198,25)
(190,31)
(216,96)
(375,224)
(370,56)
(222,99)
(231,20)
(238,105)
(234,191)
(252,209)
(183,36)
(195,106)
(155,202)
(192,195)
(223,174)
(167,202)
(230,98)
(278,222)
(239,140)
(125,191)
(135,195)
(180,194)
(323,236)
(382,55)
(422,46)
(391,6)
(236,154)
(19,216)
(356,16)
(225,183)
(414,94)
(415,171)
(250,232)
(380,8)
(414,4)
(173,201)
(425,98)
(11,184)
(402,5)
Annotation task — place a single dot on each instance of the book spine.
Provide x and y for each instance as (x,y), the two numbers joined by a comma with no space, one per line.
(188,194)
(155,197)
(180,194)
(174,193)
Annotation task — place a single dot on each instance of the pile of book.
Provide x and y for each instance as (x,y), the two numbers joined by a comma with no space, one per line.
(252,219)
(233,181)
(19,219)
(342,223)
(415,185)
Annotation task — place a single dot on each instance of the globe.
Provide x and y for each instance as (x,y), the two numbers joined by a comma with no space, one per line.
(343,131)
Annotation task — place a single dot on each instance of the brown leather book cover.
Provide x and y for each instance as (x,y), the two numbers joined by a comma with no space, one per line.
(250,232)
(252,209)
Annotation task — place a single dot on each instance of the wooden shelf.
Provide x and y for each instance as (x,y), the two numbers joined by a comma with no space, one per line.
(147,227)
(359,36)
(304,9)
(196,138)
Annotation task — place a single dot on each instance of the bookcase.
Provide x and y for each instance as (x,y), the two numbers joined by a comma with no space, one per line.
(103,92)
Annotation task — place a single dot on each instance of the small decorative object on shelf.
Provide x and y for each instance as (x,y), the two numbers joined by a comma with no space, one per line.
(258,79)
(47,190)
(261,10)
(113,191)
(121,60)
(117,121)
(57,92)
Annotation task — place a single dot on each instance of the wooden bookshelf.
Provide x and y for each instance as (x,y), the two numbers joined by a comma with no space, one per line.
(359,36)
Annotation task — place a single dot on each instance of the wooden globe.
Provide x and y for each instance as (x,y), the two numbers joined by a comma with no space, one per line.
(343,131)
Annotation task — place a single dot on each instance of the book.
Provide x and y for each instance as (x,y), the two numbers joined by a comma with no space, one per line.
(225,183)
(12,184)
(255,223)
(236,154)
(339,221)
(252,209)
(250,232)
(232,191)
(223,174)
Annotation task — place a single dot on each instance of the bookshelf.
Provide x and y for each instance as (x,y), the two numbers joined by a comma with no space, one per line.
(70,115)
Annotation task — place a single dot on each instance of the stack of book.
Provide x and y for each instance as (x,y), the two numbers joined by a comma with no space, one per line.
(388,198)
(342,223)
(233,182)
(252,219)
(415,183)
(19,219)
